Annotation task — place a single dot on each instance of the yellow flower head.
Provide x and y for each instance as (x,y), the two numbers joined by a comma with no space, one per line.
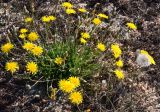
(83,41)
(119,74)
(83,10)
(45,19)
(148,56)
(22,36)
(96,21)
(76,97)
(52,18)
(85,35)
(75,81)
(119,63)
(67,5)
(37,50)
(28,20)
(12,66)
(66,86)
(132,26)
(116,50)
(7,47)
(101,47)
(58,60)
(23,30)
(33,36)
(70,11)
(101,15)
(32,67)
(28,46)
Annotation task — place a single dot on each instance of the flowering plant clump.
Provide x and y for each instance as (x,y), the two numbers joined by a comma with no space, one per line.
(70,45)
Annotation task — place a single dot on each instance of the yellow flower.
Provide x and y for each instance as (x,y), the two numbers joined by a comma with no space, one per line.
(149,56)
(52,18)
(67,5)
(32,67)
(76,97)
(83,10)
(119,63)
(33,36)
(101,47)
(119,74)
(22,36)
(28,46)
(96,21)
(116,50)
(58,60)
(28,20)
(66,86)
(7,47)
(23,30)
(12,66)
(132,26)
(45,19)
(102,15)
(83,41)
(70,11)
(75,81)
(85,35)
(37,50)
